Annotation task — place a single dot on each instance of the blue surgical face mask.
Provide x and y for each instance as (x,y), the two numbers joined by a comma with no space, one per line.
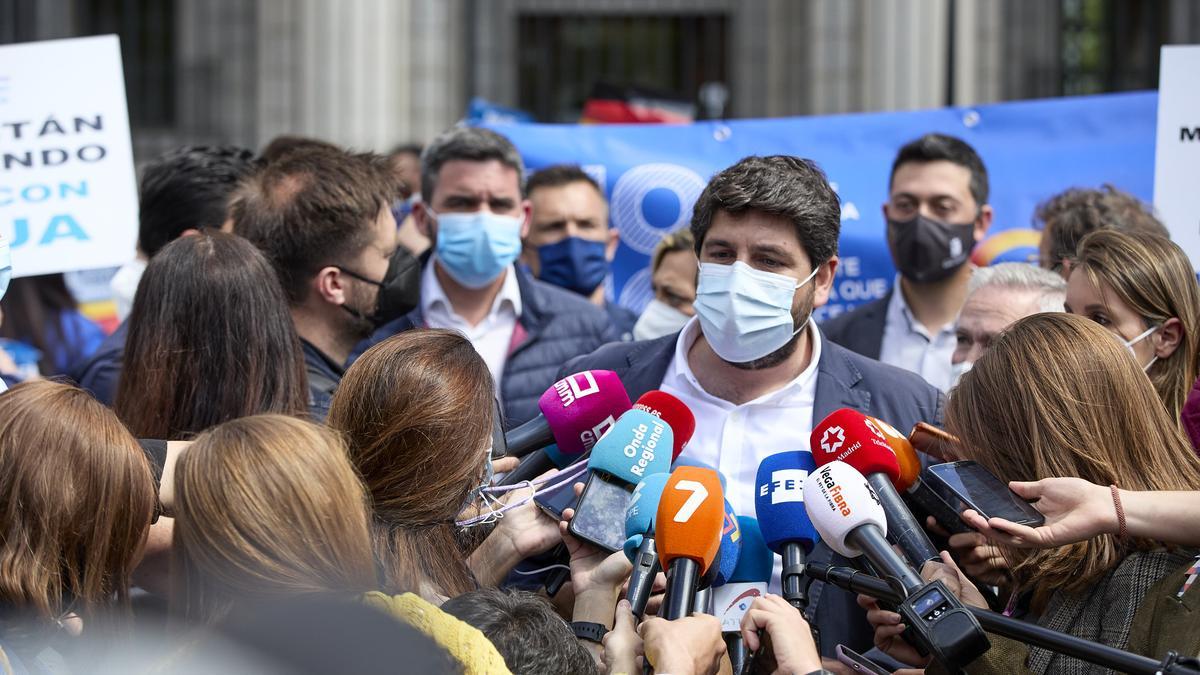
(745,313)
(574,263)
(475,248)
(5,265)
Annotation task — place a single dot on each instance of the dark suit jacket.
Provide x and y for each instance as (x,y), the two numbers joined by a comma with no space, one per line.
(844,380)
(861,329)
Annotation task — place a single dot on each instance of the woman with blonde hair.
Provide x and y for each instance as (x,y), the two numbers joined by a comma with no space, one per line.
(76,498)
(416,411)
(268,507)
(1056,396)
(1143,290)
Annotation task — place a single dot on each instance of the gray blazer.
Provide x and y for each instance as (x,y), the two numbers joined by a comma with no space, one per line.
(844,380)
(861,329)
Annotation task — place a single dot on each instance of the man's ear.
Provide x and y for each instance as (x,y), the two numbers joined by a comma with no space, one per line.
(1168,338)
(527,217)
(329,284)
(823,282)
(420,216)
(984,222)
(610,246)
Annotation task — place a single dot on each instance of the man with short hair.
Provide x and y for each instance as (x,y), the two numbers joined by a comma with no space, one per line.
(751,365)
(1068,216)
(323,219)
(474,211)
(183,191)
(937,210)
(570,243)
(996,298)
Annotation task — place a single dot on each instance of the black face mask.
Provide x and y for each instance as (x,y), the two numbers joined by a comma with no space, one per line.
(399,292)
(926,250)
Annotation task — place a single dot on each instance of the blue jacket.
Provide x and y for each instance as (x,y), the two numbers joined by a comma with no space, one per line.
(558,326)
(101,372)
(844,380)
(861,329)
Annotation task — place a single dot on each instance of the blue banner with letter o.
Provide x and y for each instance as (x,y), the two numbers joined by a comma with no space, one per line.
(652,174)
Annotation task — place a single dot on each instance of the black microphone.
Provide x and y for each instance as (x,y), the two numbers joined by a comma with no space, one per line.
(1022,631)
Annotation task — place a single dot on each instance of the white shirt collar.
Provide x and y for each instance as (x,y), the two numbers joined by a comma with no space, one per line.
(900,314)
(432,294)
(681,371)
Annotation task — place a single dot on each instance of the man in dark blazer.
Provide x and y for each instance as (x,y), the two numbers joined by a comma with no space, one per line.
(752,366)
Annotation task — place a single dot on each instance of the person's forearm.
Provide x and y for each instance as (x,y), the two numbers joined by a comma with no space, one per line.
(1172,517)
(493,560)
(166,487)
(596,606)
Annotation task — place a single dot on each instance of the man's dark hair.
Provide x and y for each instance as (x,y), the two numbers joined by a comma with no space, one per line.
(943,148)
(413,149)
(312,208)
(472,144)
(188,189)
(526,631)
(559,175)
(287,144)
(778,185)
(1068,216)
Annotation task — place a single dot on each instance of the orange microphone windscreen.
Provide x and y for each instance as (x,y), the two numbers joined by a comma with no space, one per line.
(691,513)
(906,455)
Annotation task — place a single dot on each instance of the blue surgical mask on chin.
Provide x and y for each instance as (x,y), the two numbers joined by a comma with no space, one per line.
(475,248)
(745,313)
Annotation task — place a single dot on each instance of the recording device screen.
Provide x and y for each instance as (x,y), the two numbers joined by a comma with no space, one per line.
(600,516)
(967,485)
(928,602)
(555,501)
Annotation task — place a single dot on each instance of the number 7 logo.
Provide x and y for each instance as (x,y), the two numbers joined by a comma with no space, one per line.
(694,500)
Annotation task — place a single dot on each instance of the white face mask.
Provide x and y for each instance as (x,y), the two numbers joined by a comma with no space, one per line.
(745,313)
(1130,343)
(657,320)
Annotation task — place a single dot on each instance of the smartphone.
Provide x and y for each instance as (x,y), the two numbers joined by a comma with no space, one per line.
(934,442)
(967,485)
(499,442)
(555,501)
(857,662)
(600,515)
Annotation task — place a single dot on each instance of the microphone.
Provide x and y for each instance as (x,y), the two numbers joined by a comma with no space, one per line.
(639,545)
(849,436)
(779,497)
(688,529)
(673,412)
(1015,629)
(851,520)
(906,455)
(637,446)
(689,461)
(576,411)
(749,580)
(727,557)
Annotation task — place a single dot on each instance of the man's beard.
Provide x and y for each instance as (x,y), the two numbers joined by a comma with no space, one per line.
(787,350)
(357,326)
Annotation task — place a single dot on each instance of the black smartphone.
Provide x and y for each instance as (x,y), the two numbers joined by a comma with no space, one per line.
(857,662)
(600,515)
(499,442)
(555,501)
(967,485)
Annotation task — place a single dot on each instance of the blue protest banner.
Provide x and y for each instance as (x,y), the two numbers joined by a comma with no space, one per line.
(1033,149)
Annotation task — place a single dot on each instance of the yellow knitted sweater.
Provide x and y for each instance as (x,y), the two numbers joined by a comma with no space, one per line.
(463,641)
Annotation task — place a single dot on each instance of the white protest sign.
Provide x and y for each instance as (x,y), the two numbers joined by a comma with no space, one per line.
(68,193)
(1177,148)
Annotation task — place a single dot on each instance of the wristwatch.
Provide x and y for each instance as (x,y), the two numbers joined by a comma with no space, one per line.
(587,630)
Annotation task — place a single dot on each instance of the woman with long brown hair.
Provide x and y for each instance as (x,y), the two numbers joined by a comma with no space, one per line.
(269,507)
(417,412)
(76,500)
(1056,396)
(210,339)
(1143,290)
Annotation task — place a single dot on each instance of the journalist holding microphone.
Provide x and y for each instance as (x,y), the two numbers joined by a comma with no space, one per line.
(1057,396)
